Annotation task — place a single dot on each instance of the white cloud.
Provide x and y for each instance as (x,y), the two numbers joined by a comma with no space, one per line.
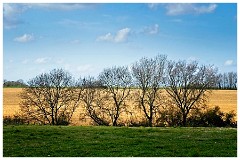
(11,13)
(42,60)
(228,62)
(13,9)
(153,6)
(152,29)
(106,37)
(188,8)
(64,6)
(24,38)
(121,36)
(206,9)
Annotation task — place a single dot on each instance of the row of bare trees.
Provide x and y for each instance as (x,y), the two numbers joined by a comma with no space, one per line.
(154,85)
(227,80)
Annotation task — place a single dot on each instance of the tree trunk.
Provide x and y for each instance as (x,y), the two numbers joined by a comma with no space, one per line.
(115,122)
(184,121)
(150,122)
(52,108)
(150,118)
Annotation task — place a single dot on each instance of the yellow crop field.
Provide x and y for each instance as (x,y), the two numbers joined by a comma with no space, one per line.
(11,101)
(225,99)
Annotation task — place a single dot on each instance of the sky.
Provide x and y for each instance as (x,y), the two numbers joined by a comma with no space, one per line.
(85,38)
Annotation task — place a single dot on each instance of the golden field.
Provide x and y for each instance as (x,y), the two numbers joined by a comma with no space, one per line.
(225,99)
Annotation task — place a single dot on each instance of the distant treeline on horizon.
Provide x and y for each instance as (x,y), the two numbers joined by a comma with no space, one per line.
(226,80)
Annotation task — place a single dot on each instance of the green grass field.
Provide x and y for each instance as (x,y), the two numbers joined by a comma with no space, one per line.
(93,141)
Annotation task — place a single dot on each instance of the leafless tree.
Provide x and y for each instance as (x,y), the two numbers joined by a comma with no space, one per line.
(227,80)
(187,85)
(232,78)
(93,100)
(117,81)
(148,74)
(51,98)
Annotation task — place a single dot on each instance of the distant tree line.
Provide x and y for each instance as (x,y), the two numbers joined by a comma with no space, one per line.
(19,83)
(161,92)
(227,80)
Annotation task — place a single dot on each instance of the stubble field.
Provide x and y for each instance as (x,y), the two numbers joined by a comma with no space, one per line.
(225,99)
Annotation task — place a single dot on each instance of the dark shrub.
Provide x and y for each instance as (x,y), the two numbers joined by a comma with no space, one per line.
(169,116)
(229,119)
(15,120)
(212,117)
(63,120)
(143,123)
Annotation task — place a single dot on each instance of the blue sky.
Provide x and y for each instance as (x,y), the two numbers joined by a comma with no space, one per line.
(86,38)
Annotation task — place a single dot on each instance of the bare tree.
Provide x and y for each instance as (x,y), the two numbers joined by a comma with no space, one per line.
(219,82)
(117,81)
(187,85)
(231,80)
(92,98)
(148,75)
(51,98)
(227,80)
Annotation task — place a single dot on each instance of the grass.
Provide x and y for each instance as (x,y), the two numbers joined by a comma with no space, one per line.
(93,141)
